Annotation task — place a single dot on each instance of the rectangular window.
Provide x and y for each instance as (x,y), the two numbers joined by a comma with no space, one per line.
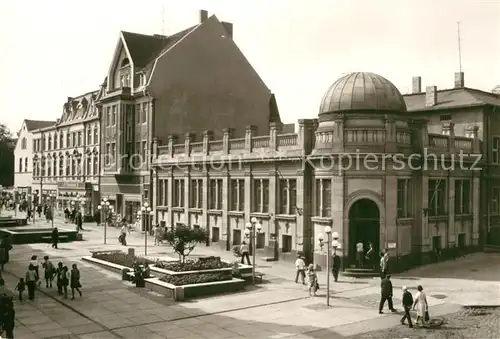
(178,198)
(261,196)
(238,195)
(73,143)
(95,165)
(108,116)
(143,152)
(215,194)
(55,141)
(145,112)
(196,193)
(96,136)
(68,140)
(113,152)
(89,137)
(89,165)
(80,139)
(324,198)
(138,114)
(34,146)
(20,169)
(495,150)
(462,197)
(445,117)
(61,140)
(113,115)
(26,164)
(287,196)
(404,202)
(162,196)
(107,155)
(437,197)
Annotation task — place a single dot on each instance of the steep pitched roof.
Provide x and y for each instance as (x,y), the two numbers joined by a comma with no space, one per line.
(79,108)
(37,124)
(452,98)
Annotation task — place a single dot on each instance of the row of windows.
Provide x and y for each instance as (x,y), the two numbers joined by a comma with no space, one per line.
(73,139)
(139,151)
(66,167)
(260,202)
(23,161)
(141,113)
(437,197)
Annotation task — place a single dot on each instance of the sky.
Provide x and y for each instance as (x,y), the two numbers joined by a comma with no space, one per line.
(51,50)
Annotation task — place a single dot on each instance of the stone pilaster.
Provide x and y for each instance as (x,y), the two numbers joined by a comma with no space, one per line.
(249,133)
(248,195)
(390,135)
(273,246)
(451,232)
(187,189)
(204,215)
(388,227)
(225,241)
(188,139)
(228,134)
(338,213)
(172,139)
(274,130)
(476,208)
(169,197)
(207,137)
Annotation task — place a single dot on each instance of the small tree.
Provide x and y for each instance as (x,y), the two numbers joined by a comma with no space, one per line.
(184,239)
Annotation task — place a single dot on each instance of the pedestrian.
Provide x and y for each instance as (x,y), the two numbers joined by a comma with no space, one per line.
(8,317)
(123,233)
(156,233)
(386,294)
(313,280)
(34,262)
(300,266)
(49,271)
(20,288)
(59,277)
(65,278)
(75,281)
(31,279)
(3,257)
(97,217)
(28,214)
(369,254)
(407,301)
(336,267)
(420,303)
(7,246)
(244,253)
(384,265)
(55,238)
(360,252)
(79,221)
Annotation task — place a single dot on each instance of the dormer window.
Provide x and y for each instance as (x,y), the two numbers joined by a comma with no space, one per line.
(125,62)
(142,79)
(125,80)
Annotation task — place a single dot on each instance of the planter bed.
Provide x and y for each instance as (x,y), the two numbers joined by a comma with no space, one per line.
(24,235)
(120,258)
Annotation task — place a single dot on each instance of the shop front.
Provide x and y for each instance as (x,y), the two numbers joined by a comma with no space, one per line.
(76,195)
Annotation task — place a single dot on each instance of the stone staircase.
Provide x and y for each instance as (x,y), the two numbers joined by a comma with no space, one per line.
(360,273)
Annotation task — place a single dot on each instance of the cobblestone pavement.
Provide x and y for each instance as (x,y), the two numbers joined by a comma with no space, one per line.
(466,324)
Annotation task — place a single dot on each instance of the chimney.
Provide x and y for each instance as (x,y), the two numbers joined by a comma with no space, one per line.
(416,85)
(229,28)
(203,16)
(430,96)
(459,80)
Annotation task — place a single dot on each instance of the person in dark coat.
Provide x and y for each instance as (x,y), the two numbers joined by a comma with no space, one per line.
(79,220)
(3,257)
(386,294)
(59,277)
(97,217)
(55,237)
(8,320)
(75,281)
(407,301)
(7,246)
(336,267)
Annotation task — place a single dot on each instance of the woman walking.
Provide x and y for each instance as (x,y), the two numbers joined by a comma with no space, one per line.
(313,280)
(65,277)
(75,281)
(31,279)
(421,305)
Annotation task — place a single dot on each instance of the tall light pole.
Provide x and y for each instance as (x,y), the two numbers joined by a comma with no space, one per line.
(34,206)
(104,208)
(52,201)
(145,213)
(328,242)
(252,228)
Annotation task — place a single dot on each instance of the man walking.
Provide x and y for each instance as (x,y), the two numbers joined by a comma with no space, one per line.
(336,267)
(360,253)
(386,294)
(407,301)
(79,221)
(300,265)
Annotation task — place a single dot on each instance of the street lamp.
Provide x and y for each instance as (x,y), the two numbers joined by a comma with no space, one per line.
(34,206)
(252,228)
(104,207)
(146,214)
(52,201)
(335,244)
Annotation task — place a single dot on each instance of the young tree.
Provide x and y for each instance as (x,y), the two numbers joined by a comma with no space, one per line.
(184,239)
(6,156)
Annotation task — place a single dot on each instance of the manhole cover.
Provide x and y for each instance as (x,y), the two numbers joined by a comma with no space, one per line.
(439,296)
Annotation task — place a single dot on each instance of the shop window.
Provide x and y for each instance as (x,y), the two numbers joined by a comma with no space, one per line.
(286,245)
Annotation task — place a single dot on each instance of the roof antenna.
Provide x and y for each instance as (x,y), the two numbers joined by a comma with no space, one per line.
(162,18)
(459,48)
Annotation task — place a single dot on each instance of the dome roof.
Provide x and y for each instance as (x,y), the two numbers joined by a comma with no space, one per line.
(362,91)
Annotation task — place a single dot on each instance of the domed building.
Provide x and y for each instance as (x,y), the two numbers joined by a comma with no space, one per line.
(366,170)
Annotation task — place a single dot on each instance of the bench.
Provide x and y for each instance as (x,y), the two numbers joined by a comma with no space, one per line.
(248,276)
(49,238)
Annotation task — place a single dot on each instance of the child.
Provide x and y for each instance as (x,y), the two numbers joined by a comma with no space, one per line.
(21,286)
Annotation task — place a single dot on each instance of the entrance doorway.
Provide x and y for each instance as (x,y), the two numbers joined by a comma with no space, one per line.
(364,227)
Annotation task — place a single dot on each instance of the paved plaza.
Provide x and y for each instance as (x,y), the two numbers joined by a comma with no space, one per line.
(278,308)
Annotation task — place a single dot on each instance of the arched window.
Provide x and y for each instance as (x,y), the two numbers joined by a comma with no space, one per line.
(49,142)
(125,62)
(20,169)
(26,164)
(96,164)
(96,136)
(55,141)
(61,139)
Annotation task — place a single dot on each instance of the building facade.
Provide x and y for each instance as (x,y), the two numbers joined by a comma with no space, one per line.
(366,167)
(160,85)
(66,156)
(23,156)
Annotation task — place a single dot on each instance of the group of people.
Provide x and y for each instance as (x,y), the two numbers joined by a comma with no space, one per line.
(75,217)
(64,278)
(158,232)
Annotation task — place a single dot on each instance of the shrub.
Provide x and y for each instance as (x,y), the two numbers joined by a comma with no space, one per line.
(120,258)
(207,263)
(184,239)
(188,279)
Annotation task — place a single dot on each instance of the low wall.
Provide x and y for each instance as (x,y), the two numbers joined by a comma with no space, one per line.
(23,235)
(13,222)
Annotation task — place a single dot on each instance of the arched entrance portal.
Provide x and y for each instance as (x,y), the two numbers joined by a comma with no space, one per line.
(364,226)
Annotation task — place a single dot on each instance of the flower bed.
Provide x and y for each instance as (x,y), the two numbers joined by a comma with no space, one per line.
(202,264)
(121,258)
(189,279)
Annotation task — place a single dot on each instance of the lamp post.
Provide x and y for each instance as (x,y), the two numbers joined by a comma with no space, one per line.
(34,206)
(252,227)
(52,201)
(104,207)
(335,245)
(145,213)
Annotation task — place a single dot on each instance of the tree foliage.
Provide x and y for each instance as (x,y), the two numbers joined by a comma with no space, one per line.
(6,156)
(184,239)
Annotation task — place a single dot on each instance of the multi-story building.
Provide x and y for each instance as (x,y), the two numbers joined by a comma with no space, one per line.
(366,167)
(66,155)
(465,111)
(23,155)
(157,85)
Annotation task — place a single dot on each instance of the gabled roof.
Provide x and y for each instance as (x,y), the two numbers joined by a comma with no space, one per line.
(142,47)
(452,98)
(79,108)
(37,124)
